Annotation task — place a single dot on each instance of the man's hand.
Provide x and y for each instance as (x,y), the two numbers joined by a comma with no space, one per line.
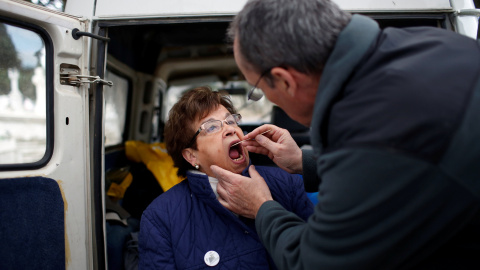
(240,194)
(278,145)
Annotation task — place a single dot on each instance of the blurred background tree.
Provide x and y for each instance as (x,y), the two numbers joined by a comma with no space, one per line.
(8,54)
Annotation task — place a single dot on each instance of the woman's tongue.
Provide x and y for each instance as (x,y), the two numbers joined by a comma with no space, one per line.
(234,154)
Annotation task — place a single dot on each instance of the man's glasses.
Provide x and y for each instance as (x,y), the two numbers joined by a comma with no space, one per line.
(255,93)
(214,126)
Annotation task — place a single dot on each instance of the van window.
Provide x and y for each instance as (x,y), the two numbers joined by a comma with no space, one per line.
(253,113)
(23,131)
(115,108)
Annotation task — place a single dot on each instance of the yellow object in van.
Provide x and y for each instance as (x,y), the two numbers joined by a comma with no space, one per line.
(157,160)
(118,190)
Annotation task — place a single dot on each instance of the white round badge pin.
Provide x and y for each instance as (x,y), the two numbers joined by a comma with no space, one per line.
(211,258)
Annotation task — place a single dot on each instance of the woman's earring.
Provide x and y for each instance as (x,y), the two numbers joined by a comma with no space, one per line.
(197,166)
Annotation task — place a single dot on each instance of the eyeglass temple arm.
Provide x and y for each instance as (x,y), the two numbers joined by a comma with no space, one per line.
(194,136)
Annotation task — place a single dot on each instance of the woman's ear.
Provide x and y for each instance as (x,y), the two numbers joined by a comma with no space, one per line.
(189,155)
(284,80)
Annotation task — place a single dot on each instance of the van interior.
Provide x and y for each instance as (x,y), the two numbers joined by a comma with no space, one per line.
(151,63)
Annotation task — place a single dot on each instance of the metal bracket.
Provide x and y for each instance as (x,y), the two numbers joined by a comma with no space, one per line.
(69,76)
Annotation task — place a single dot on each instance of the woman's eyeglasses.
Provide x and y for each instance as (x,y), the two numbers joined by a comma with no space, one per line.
(214,126)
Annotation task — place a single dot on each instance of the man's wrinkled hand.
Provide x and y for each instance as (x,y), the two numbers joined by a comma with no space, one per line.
(278,145)
(240,194)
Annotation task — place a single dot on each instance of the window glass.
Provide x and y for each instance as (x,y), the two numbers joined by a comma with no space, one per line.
(253,113)
(115,108)
(22,95)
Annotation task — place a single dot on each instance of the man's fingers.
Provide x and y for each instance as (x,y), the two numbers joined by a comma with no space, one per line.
(257,150)
(224,203)
(221,190)
(265,142)
(258,130)
(222,175)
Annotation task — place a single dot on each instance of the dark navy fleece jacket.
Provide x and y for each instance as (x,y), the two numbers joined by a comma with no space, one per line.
(184,223)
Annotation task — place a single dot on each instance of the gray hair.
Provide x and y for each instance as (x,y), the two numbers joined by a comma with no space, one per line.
(289,33)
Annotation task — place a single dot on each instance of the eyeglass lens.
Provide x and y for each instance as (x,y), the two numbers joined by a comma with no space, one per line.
(214,126)
(256,93)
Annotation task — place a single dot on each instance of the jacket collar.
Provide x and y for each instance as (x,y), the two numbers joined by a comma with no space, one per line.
(200,185)
(352,44)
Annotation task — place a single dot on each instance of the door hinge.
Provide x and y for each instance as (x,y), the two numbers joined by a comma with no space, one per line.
(70,76)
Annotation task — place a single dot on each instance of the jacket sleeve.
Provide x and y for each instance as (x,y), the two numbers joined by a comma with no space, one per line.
(310,179)
(301,204)
(155,249)
(376,210)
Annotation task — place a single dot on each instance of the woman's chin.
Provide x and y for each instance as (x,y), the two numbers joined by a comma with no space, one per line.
(239,166)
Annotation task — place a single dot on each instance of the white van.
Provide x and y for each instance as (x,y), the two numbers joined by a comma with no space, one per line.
(76,86)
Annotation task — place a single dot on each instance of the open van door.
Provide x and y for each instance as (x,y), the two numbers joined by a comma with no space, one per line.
(46,217)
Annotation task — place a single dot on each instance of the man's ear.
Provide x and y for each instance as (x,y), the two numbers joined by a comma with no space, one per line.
(190,156)
(285,80)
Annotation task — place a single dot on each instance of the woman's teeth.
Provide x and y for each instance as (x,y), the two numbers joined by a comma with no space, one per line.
(239,158)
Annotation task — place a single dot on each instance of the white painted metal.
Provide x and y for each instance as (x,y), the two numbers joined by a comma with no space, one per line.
(148,8)
(465,24)
(83,8)
(394,5)
(124,9)
(69,165)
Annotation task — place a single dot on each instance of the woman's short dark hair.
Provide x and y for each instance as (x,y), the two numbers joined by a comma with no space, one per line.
(194,105)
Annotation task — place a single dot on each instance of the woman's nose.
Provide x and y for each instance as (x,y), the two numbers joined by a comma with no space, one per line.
(229,130)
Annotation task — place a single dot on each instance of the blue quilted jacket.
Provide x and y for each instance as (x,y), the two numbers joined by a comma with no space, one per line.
(180,226)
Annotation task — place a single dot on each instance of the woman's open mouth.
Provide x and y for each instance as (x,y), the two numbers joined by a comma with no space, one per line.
(236,152)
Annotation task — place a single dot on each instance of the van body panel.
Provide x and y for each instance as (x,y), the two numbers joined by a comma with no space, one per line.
(69,164)
(398,5)
(84,8)
(465,23)
(158,47)
(145,8)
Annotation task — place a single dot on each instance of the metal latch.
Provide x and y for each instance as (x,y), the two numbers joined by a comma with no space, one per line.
(69,75)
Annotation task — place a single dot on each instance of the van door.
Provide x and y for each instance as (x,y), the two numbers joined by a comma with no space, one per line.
(46,219)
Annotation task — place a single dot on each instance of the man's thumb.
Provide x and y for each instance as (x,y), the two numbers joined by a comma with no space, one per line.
(252,170)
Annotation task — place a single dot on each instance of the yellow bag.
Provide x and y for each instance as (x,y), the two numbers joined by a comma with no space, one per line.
(118,190)
(157,160)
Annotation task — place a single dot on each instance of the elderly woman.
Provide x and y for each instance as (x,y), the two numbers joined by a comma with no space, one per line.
(187,227)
